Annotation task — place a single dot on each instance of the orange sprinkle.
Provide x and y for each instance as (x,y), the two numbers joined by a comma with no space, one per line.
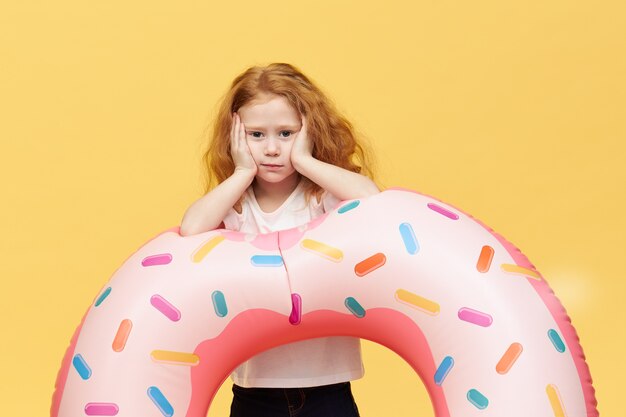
(508,359)
(368,265)
(122,335)
(484,260)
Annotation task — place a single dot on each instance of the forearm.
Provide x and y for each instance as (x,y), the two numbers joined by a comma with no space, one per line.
(207,212)
(340,182)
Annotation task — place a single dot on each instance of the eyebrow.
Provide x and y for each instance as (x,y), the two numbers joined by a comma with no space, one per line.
(281,127)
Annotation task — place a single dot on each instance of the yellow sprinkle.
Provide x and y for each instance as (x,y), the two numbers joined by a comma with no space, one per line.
(206,247)
(415,300)
(555,400)
(516,269)
(175,358)
(328,252)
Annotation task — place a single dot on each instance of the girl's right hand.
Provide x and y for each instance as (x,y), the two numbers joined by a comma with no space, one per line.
(239,150)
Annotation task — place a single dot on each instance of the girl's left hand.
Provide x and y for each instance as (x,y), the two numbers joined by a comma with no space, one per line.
(302,147)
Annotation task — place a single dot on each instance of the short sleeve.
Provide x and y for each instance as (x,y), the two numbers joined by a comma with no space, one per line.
(233,220)
(328,202)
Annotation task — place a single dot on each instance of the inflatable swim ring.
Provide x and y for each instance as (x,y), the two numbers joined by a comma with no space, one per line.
(462,306)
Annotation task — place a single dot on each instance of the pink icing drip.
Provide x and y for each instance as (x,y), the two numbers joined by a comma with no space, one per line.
(296,309)
(257,330)
(289,237)
(267,241)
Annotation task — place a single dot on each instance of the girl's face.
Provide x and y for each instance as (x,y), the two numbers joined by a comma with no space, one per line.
(271,123)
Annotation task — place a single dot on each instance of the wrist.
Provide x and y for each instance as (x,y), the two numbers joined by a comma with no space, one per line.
(246,174)
(301,163)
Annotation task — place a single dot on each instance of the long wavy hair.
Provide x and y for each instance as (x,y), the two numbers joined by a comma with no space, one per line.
(334,138)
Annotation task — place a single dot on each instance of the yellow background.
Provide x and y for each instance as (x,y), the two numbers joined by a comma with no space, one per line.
(514,113)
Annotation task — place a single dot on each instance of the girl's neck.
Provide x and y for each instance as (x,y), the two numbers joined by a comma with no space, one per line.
(275,193)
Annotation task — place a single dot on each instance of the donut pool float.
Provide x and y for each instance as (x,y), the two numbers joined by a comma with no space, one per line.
(465,309)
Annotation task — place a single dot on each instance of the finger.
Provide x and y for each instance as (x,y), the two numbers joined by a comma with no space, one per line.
(242,133)
(232,129)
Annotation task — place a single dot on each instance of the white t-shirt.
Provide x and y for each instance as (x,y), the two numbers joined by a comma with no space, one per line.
(307,363)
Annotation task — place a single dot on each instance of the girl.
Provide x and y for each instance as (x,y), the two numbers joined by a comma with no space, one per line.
(287,158)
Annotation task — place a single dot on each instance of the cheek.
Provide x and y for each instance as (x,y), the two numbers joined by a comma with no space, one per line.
(287,146)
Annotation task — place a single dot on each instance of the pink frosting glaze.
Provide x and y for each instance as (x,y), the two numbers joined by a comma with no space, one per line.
(554,306)
(257,330)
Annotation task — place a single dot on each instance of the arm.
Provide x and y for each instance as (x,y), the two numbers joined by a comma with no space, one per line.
(208,212)
(341,183)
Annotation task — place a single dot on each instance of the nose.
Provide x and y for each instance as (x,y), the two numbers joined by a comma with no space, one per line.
(272,147)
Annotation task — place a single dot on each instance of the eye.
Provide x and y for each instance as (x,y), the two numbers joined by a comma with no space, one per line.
(255,134)
(289,133)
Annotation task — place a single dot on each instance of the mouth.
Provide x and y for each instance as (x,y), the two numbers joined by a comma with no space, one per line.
(271,165)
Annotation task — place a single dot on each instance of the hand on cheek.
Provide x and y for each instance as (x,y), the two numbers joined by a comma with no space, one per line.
(239,150)
(302,147)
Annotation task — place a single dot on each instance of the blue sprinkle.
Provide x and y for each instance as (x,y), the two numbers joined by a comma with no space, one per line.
(479,400)
(104,295)
(267,260)
(81,366)
(219,303)
(160,401)
(556,340)
(408,236)
(348,207)
(444,368)
(354,307)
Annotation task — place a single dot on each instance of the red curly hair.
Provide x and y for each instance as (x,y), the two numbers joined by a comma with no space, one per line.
(334,138)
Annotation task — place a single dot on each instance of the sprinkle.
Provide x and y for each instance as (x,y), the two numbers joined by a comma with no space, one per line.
(444,368)
(219,303)
(408,237)
(160,401)
(165,307)
(267,260)
(296,309)
(370,264)
(206,247)
(484,260)
(555,400)
(161,259)
(437,208)
(520,270)
(479,400)
(476,317)
(175,358)
(354,307)
(319,248)
(101,409)
(414,300)
(81,366)
(556,340)
(122,335)
(508,359)
(104,295)
(351,205)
